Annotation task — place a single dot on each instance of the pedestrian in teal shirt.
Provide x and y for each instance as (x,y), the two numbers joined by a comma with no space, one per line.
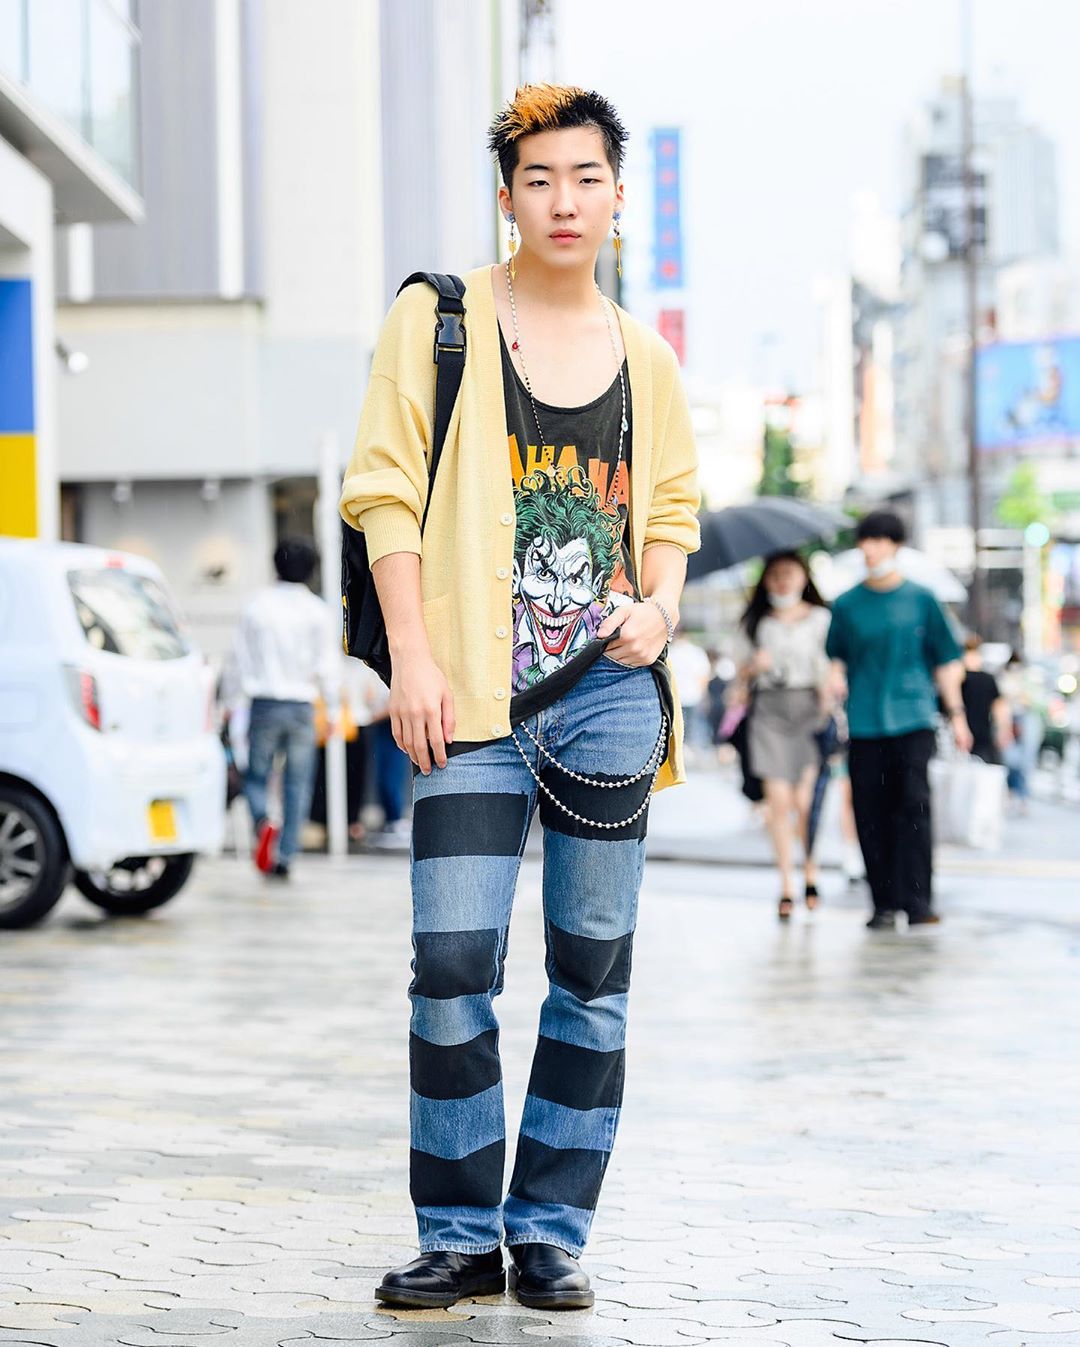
(898,650)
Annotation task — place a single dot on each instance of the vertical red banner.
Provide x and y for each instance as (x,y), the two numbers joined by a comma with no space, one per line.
(671,324)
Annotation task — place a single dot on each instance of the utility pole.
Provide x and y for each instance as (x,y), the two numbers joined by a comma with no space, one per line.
(328,536)
(971,270)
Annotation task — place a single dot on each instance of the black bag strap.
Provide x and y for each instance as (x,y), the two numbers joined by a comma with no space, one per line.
(449,354)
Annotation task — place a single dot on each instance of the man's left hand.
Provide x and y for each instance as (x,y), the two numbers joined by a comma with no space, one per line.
(642,634)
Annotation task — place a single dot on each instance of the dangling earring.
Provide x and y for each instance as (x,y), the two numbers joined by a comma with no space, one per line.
(513,246)
(617,240)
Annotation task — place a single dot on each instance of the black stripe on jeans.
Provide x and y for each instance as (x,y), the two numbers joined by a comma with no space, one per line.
(455,963)
(456,1072)
(470,823)
(588,968)
(575,1077)
(568,1177)
(591,802)
(475,1181)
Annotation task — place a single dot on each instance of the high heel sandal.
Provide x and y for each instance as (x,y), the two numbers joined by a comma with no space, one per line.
(785,909)
(812,897)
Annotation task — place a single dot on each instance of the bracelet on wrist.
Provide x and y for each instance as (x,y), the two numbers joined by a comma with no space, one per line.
(663,613)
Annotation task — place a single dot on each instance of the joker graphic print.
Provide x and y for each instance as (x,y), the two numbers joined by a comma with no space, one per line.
(572,564)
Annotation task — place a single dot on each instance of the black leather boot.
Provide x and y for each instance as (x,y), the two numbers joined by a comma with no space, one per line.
(544,1277)
(437,1280)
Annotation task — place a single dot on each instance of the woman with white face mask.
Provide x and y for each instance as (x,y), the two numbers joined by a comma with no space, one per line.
(782,663)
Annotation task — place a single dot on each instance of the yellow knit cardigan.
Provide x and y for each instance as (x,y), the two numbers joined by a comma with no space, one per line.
(467,550)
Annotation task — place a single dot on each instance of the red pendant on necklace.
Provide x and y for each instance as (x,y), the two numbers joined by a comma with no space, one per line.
(514,347)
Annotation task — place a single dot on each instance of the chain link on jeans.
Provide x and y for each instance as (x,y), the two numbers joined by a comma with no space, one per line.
(589,781)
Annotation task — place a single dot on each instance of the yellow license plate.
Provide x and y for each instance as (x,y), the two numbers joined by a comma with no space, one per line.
(162,821)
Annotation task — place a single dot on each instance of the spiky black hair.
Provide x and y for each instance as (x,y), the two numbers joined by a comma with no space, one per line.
(554,107)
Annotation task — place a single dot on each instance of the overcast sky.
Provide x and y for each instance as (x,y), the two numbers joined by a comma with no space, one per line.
(789,108)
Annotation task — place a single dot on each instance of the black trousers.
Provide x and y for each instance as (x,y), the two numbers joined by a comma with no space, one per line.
(890,790)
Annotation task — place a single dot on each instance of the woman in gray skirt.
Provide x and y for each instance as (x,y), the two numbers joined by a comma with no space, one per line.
(785,673)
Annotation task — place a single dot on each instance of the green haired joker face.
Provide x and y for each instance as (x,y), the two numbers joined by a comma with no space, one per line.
(565,553)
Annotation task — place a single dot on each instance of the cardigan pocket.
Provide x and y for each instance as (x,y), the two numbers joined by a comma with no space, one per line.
(437,623)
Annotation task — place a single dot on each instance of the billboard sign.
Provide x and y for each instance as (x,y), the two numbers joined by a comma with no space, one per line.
(18,444)
(1027,394)
(668,246)
(945,207)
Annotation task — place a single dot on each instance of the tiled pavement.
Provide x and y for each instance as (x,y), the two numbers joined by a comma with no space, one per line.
(830,1137)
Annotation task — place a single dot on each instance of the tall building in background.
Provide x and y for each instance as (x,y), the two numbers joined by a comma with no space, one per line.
(69,135)
(837,467)
(537,42)
(1017,220)
(439,211)
(230,331)
(855,363)
(298,164)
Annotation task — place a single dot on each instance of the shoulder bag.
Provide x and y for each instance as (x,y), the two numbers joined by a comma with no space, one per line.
(363,628)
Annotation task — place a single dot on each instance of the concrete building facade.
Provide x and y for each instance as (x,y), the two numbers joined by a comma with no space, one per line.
(1017,219)
(296,170)
(69,142)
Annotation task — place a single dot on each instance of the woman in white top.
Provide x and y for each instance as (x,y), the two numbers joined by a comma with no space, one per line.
(782,661)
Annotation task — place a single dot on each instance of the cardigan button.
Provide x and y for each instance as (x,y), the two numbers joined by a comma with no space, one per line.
(500,631)
(499,694)
(502,572)
(506,518)
(496,730)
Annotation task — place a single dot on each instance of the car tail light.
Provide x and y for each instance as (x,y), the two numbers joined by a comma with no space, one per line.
(84,695)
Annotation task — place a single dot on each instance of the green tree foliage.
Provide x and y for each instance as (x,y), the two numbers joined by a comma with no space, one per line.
(1023,503)
(776,460)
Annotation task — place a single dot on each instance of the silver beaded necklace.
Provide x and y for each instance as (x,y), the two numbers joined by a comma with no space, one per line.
(624,424)
(656,757)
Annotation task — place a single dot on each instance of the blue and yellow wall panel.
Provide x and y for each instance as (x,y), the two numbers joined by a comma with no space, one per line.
(18,443)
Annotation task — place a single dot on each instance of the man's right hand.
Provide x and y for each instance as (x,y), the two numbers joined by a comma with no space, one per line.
(421,703)
(421,710)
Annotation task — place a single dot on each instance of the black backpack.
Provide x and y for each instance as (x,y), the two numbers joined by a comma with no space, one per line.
(364,631)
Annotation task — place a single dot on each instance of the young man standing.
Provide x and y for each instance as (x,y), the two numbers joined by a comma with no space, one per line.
(527,630)
(893,642)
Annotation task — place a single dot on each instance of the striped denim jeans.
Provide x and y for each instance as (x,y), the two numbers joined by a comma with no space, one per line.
(470,822)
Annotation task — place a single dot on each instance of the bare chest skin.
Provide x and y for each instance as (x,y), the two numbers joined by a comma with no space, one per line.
(567,353)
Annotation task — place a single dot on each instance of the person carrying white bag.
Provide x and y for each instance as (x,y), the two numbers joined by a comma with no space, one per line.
(968,802)
(897,649)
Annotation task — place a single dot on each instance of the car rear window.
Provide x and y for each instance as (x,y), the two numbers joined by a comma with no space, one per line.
(126,614)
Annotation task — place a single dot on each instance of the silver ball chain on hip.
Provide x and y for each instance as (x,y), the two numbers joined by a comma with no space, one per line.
(651,765)
(592,781)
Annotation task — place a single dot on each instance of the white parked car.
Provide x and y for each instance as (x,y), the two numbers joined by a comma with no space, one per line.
(111,772)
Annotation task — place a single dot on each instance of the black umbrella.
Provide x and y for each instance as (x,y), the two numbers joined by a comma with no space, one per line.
(828,742)
(768,524)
